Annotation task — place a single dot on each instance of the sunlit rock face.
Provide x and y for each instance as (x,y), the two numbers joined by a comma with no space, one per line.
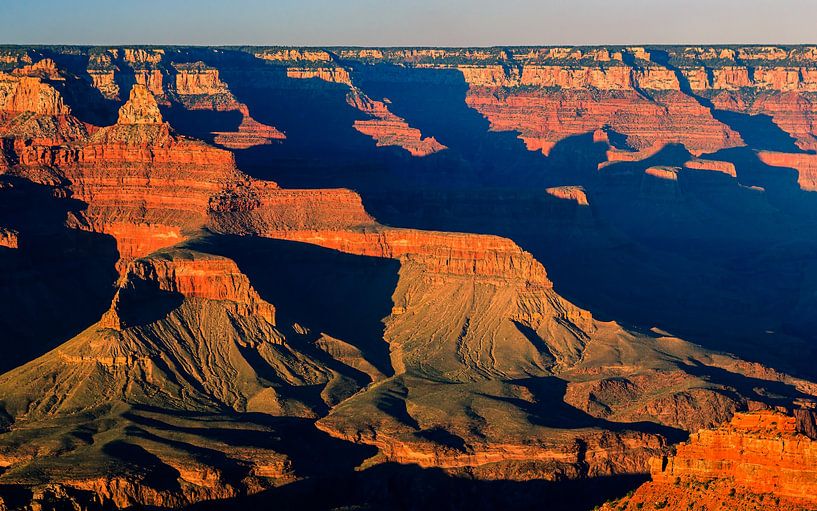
(494,277)
(759,456)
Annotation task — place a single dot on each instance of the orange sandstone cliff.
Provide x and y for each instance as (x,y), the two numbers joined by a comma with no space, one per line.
(757,461)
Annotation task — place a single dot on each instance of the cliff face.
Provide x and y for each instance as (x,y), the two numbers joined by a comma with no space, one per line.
(388,129)
(756,461)
(119,171)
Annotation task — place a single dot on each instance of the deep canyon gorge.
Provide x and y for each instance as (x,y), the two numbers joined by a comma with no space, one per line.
(410,278)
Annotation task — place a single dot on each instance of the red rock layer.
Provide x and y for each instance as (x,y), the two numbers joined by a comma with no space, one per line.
(138,173)
(661,172)
(760,450)
(605,454)
(102,70)
(30,94)
(211,278)
(250,133)
(33,112)
(544,117)
(266,210)
(570,193)
(142,183)
(804,163)
(390,130)
(8,238)
(198,79)
(757,461)
(332,74)
(723,167)
(439,252)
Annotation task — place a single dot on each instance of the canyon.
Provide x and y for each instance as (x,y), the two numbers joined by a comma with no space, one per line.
(345,277)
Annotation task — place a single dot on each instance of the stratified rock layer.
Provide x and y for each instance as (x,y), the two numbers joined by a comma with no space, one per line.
(757,461)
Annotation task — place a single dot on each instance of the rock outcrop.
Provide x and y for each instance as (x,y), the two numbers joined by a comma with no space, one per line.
(250,133)
(388,129)
(141,108)
(756,461)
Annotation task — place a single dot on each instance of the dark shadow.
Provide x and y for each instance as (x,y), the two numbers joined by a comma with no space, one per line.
(536,341)
(233,470)
(201,124)
(391,400)
(769,392)
(156,474)
(549,410)
(142,302)
(441,436)
(57,282)
(311,452)
(345,296)
(645,252)
(409,488)
(321,143)
(85,101)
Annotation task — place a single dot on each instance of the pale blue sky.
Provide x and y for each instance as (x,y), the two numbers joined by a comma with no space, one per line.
(408,23)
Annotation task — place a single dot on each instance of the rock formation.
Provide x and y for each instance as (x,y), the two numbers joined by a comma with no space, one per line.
(388,129)
(757,461)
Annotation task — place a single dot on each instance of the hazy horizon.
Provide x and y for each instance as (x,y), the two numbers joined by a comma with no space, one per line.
(367,23)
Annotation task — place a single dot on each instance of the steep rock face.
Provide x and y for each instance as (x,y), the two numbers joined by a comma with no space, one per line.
(250,133)
(30,94)
(9,238)
(439,252)
(390,130)
(145,67)
(724,167)
(266,210)
(102,69)
(188,342)
(756,461)
(141,108)
(33,111)
(207,278)
(386,128)
(545,117)
(471,361)
(119,171)
(478,312)
(188,288)
(199,87)
(804,163)
(198,79)
(499,306)
(295,54)
(760,450)
(331,74)
(112,68)
(652,96)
